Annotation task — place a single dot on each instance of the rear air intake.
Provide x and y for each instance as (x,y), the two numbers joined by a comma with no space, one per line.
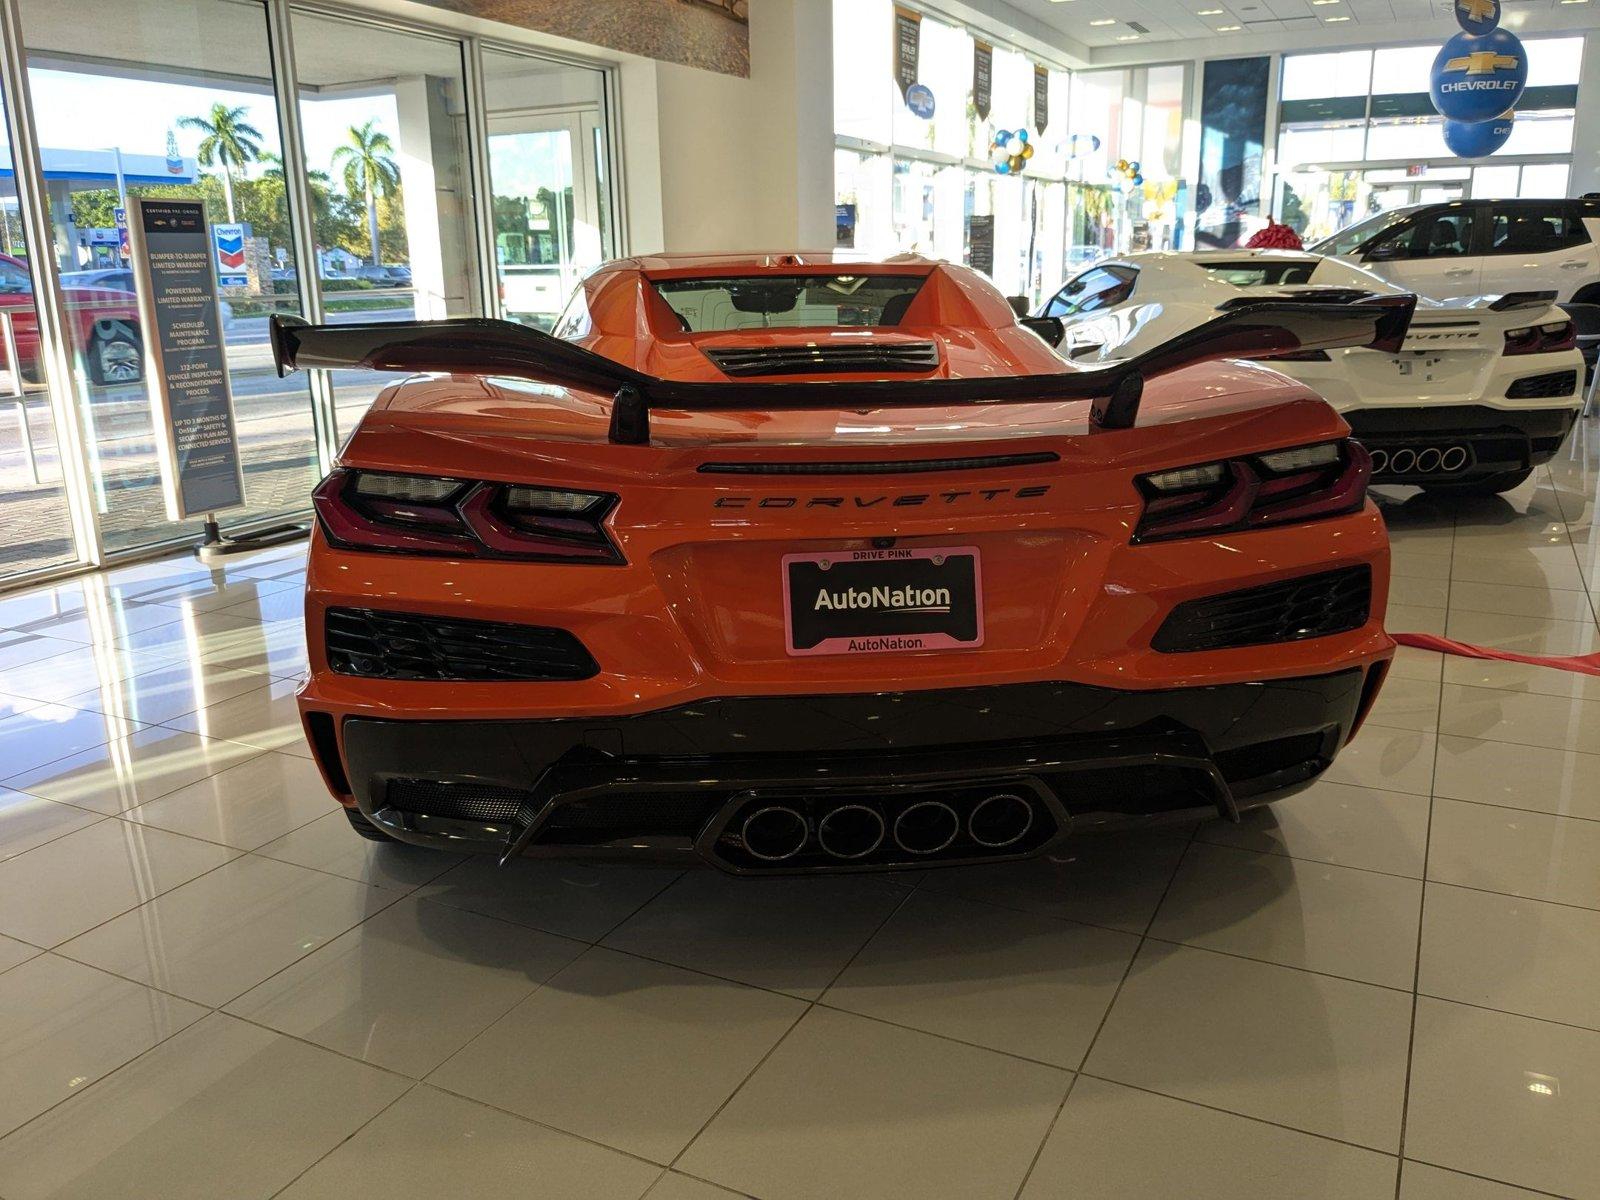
(1309,607)
(1544,387)
(397,645)
(455,801)
(908,466)
(824,360)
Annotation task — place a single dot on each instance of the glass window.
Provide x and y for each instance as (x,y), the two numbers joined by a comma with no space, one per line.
(1525,229)
(1493,183)
(1095,289)
(1402,70)
(386,149)
(1319,76)
(1554,62)
(864,92)
(789,301)
(547,150)
(1434,235)
(173,98)
(1262,272)
(1544,181)
(1358,235)
(1407,138)
(1535,132)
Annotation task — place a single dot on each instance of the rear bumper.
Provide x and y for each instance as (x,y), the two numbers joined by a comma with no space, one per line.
(1473,439)
(682,780)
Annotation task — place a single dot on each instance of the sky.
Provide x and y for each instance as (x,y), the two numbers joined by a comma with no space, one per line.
(135,114)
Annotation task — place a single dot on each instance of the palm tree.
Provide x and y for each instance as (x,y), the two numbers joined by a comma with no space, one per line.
(368,170)
(229,142)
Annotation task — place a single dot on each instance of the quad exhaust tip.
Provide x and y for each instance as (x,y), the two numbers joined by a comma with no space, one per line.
(850,831)
(1420,460)
(1000,820)
(1380,461)
(774,833)
(926,827)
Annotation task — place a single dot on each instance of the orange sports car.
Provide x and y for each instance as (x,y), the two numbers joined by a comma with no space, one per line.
(794,564)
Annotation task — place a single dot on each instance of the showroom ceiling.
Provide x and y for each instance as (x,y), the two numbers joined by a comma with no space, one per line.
(1126,23)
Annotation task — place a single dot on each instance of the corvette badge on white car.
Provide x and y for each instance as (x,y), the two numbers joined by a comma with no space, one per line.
(1484,388)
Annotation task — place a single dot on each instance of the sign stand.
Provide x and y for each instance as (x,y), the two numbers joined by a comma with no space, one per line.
(175,260)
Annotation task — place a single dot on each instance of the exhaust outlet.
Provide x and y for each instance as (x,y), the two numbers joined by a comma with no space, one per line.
(850,831)
(1380,461)
(1428,460)
(774,834)
(1453,459)
(926,827)
(1000,820)
(1403,461)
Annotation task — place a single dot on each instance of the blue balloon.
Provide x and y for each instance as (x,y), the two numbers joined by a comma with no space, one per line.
(1002,168)
(1478,16)
(919,99)
(1477,140)
(1022,135)
(1478,78)
(1002,136)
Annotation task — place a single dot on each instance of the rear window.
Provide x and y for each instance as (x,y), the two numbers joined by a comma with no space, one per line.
(788,301)
(1261,274)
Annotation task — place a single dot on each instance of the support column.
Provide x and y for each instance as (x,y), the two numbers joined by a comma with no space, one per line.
(436,213)
(1586,125)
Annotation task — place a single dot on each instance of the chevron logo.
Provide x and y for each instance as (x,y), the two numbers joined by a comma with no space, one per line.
(1482,62)
(1477,10)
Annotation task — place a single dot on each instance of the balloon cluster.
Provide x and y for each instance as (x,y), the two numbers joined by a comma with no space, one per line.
(1128,172)
(1476,80)
(1010,151)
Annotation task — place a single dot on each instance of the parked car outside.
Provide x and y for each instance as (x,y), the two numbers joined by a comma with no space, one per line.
(104,322)
(390,276)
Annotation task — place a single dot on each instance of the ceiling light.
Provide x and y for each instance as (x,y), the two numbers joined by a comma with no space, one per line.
(1228,28)
(1127,37)
(1333,20)
(1574,1)
(1320,3)
(1104,21)
(1209,12)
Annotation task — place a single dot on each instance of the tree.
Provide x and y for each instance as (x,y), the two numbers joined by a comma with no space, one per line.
(229,142)
(368,170)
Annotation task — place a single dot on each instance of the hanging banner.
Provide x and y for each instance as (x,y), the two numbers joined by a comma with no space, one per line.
(907,46)
(1041,98)
(186,369)
(982,77)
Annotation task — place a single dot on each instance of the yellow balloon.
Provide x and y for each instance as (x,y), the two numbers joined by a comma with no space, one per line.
(1027,150)
(1122,165)
(1018,161)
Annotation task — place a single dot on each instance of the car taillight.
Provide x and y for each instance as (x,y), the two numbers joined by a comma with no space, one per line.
(1542,339)
(1282,486)
(422,514)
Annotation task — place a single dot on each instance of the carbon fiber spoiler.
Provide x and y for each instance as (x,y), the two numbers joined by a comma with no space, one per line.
(1516,301)
(477,346)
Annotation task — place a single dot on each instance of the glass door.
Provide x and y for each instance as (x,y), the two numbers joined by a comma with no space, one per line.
(548,160)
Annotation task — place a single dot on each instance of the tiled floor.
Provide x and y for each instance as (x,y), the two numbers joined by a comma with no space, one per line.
(1388,986)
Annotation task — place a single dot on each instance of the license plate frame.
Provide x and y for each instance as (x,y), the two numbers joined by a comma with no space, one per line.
(879,601)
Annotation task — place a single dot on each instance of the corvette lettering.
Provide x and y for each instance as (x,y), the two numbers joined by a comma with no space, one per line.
(907,500)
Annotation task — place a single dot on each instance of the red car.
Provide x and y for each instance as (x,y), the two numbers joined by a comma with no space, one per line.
(794,564)
(104,325)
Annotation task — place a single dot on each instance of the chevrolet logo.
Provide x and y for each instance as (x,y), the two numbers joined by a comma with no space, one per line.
(1477,10)
(1481,62)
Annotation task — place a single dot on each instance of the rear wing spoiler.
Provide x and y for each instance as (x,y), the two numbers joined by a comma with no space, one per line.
(1517,301)
(477,346)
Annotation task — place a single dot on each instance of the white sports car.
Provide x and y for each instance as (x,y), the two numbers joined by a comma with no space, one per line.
(1483,389)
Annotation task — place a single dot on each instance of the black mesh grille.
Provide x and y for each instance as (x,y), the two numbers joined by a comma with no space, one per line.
(806,360)
(393,645)
(1544,387)
(458,801)
(1308,607)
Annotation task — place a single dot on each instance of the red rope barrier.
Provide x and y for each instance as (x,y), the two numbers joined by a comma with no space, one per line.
(1583,664)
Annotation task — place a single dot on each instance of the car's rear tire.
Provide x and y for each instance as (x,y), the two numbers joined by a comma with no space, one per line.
(115,354)
(1487,485)
(364,827)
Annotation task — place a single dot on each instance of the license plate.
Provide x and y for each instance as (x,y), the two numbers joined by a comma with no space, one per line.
(882,601)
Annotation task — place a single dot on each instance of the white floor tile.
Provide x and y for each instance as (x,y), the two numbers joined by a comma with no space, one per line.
(1396,760)
(1419,1181)
(1506,1097)
(221,1109)
(788,934)
(27,821)
(164,693)
(566,898)
(1337,920)
(48,732)
(1118,1143)
(408,987)
(634,1054)
(329,844)
(1337,823)
(431,1145)
(225,932)
(129,771)
(58,890)
(846,1106)
(1516,853)
(245,806)
(1537,780)
(64,1025)
(1552,722)
(266,718)
(1034,986)
(1318,1054)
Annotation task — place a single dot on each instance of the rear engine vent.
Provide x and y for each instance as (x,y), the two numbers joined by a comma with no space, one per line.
(906,466)
(823,360)
(1309,607)
(457,801)
(1544,387)
(396,645)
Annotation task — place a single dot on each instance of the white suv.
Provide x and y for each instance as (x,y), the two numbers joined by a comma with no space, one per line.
(1481,247)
